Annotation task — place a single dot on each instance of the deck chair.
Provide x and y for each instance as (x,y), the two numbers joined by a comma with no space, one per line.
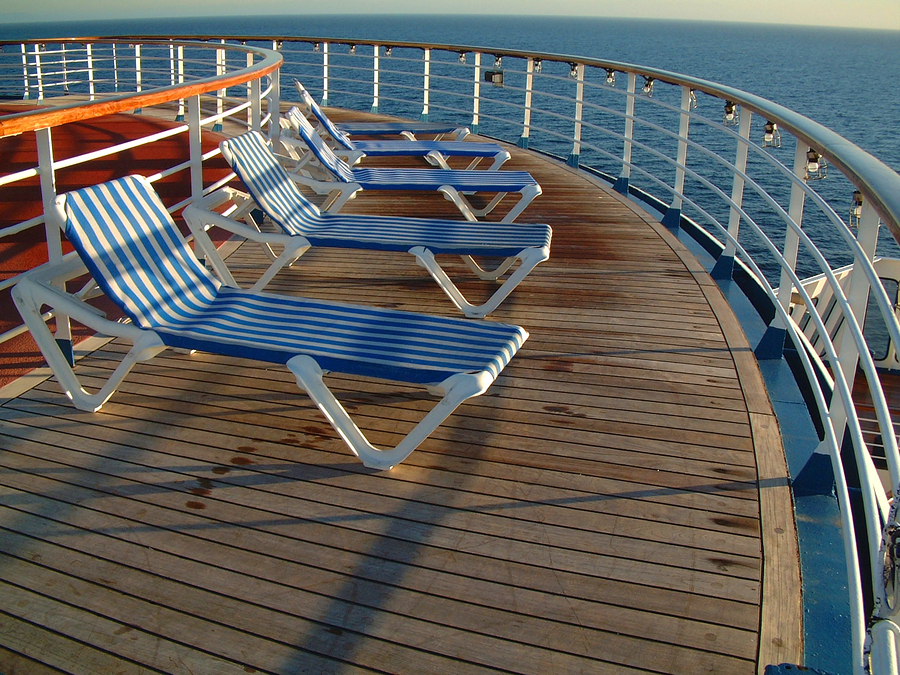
(303,225)
(129,242)
(434,152)
(404,128)
(344,182)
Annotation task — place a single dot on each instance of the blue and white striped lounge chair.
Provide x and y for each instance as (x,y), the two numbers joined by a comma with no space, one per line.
(404,128)
(345,181)
(129,242)
(434,152)
(304,225)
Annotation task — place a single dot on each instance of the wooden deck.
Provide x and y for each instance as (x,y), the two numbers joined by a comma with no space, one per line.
(616,502)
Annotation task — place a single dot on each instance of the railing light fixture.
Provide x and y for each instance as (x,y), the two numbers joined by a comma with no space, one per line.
(648,85)
(771,136)
(610,77)
(317,47)
(352,49)
(387,50)
(498,61)
(573,70)
(816,166)
(538,64)
(856,208)
(462,57)
(693,100)
(731,117)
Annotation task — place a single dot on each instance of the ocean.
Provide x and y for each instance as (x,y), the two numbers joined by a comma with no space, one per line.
(844,79)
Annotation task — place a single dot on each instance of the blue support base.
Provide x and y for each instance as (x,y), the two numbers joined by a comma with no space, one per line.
(374,110)
(139,111)
(724,267)
(621,185)
(324,103)
(771,345)
(474,128)
(217,126)
(573,160)
(523,142)
(672,219)
(65,346)
(423,117)
(179,118)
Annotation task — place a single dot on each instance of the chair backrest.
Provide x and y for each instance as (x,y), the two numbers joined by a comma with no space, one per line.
(269,184)
(320,149)
(339,136)
(134,250)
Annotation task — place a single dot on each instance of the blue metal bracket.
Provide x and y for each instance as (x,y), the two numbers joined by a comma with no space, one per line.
(523,142)
(621,185)
(724,267)
(423,117)
(573,160)
(374,110)
(771,345)
(672,219)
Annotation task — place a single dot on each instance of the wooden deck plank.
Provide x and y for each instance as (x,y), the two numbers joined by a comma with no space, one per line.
(598,510)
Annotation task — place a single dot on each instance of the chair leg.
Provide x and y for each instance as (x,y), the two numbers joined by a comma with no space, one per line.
(455,389)
(529,259)
(29,296)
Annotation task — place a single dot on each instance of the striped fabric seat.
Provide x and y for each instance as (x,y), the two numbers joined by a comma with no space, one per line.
(435,151)
(279,197)
(129,242)
(453,183)
(340,132)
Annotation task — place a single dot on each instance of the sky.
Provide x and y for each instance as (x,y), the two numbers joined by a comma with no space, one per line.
(880,14)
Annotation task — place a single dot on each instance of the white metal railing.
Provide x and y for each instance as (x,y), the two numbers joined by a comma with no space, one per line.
(739,172)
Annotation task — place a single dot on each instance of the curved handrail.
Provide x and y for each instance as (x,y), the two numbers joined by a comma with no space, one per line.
(32,120)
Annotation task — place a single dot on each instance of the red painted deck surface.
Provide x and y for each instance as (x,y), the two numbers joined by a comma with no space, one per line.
(22,200)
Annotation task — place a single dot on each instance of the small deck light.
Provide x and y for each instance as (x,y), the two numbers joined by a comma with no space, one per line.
(731,117)
(648,85)
(387,50)
(573,70)
(317,47)
(693,105)
(856,208)
(771,136)
(462,57)
(610,77)
(538,64)
(498,61)
(352,49)
(816,166)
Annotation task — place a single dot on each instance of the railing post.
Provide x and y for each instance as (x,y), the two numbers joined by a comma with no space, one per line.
(220,93)
(90,64)
(255,87)
(375,64)
(47,172)
(579,112)
(38,71)
(624,178)
(115,68)
(195,143)
(426,86)
(672,219)
(324,74)
(27,95)
(725,263)
(137,73)
(529,88)
(476,96)
(180,116)
(65,66)
(771,346)
(274,103)
(858,299)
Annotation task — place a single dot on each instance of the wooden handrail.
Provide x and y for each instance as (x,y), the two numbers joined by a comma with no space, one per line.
(31,120)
